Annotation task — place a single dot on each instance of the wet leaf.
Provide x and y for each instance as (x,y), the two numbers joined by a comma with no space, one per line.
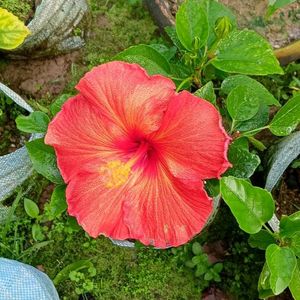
(282,263)
(36,122)
(287,118)
(251,206)
(246,52)
(191,23)
(44,160)
(147,57)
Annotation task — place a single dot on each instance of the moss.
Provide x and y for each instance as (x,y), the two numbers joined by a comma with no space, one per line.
(116,25)
(20,8)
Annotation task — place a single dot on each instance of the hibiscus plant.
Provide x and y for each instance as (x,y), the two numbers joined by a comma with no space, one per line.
(154,136)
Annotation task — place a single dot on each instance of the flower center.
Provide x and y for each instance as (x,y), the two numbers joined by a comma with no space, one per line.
(115,173)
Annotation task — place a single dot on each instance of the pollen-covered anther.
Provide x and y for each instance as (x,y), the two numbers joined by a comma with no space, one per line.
(115,173)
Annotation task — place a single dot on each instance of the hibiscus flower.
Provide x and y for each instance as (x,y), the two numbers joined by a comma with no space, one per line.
(134,155)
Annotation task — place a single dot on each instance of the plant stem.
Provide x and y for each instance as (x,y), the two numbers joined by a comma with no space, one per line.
(254,131)
(183,83)
(256,143)
(269,230)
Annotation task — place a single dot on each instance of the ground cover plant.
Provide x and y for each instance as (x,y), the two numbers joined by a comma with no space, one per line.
(211,58)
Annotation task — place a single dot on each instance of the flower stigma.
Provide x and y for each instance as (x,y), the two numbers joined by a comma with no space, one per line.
(115,173)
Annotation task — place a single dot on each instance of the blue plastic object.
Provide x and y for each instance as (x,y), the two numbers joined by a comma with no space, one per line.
(19,281)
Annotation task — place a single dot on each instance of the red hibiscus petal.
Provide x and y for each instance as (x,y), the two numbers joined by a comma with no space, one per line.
(97,209)
(163,211)
(192,139)
(126,94)
(81,137)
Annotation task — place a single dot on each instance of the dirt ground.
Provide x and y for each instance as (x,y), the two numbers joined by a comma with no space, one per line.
(38,78)
(288,193)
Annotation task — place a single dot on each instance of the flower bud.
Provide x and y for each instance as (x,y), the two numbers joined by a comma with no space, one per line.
(223,27)
(196,43)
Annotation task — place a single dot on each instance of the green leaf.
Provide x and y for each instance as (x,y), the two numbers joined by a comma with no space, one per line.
(257,88)
(36,122)
(55,107)
(276,4)
(289,225)
(12,30)
(287,118)
(251,206)
(294,285)
(295,243)
(31,208)
(218,267)
(242,104)
(246,52)
(147,57)
(44,160)
(213,187)
(207,92)
(261,240)
(282,263)
(191,23)
(75,266)
(171,32)
(284,153)
(260,119)
(167,52)
(196,248)
(264,288)
(244,163)
(37,233)
(58,202)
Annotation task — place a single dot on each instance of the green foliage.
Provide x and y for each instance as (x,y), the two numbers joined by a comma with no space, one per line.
(256,88)
(57,203)
(192,257)
(281,263)
(244,163)
(261,239)
(12,30)
(246,52)
(147,57)
(251,206)
(31,208)
(287,118)
(36,122)
(294,285)
(192,25)
(44,160)
(55,107)
(207,92)
(241,104)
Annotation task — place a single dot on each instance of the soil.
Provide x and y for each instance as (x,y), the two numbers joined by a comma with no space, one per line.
(38,78)
(281,29)
(288,194)
(11,137)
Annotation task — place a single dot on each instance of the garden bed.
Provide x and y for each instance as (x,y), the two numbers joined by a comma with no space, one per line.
(52,243)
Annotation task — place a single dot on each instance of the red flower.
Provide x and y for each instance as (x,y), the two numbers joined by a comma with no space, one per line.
(134,154)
